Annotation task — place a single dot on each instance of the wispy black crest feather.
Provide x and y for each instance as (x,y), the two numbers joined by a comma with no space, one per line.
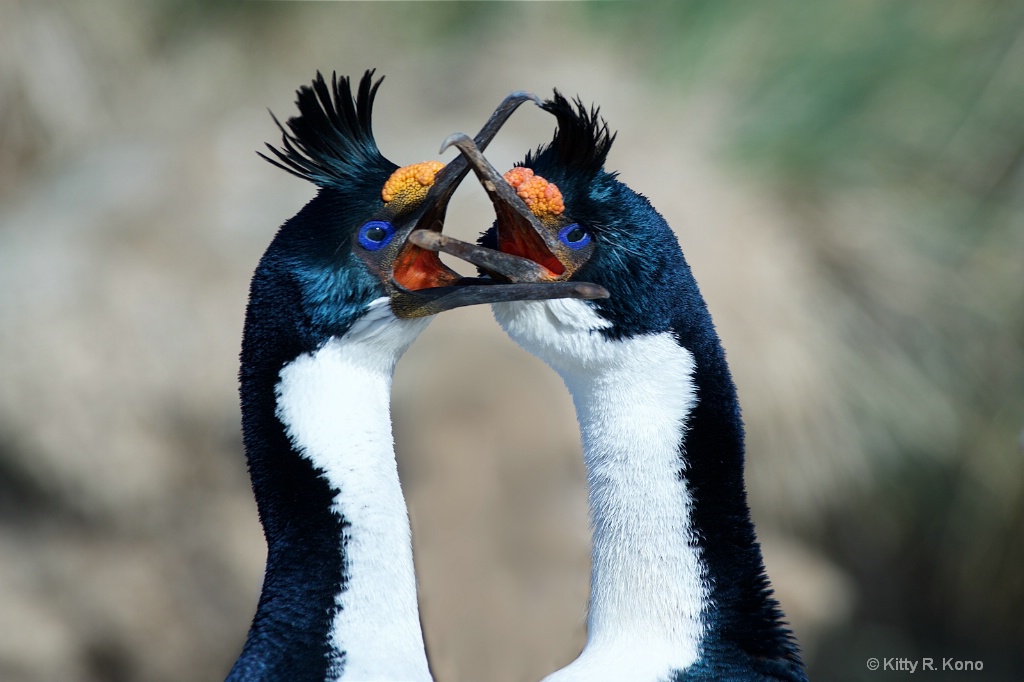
(331,140)
(582,140)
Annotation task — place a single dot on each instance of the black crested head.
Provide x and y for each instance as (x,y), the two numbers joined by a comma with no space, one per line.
(634,255)
(331,141)
(580,147)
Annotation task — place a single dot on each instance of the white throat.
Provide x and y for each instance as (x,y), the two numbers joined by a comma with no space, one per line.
(335,406)
(633,397)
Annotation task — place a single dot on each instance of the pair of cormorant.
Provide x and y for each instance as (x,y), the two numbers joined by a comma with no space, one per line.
(581,271)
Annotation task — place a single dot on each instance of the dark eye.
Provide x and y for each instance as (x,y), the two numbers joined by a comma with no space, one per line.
(574,236)
(375,234)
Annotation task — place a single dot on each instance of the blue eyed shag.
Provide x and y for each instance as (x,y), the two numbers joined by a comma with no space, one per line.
(678,587)
(336,299)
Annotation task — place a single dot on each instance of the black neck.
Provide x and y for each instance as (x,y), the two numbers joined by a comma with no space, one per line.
(289,634)
(746,630)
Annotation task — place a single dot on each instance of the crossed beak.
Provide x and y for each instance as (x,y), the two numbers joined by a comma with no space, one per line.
(420,284)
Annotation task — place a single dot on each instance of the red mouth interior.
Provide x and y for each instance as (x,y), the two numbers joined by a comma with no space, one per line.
(417,268)
(521,240)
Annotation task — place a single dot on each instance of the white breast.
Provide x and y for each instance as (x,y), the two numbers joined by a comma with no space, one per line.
(633,397)
(335,405)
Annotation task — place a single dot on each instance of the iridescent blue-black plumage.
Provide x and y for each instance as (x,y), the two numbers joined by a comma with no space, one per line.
(637,258)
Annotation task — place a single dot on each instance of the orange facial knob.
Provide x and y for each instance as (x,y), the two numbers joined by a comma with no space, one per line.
(543,198)
(409,184)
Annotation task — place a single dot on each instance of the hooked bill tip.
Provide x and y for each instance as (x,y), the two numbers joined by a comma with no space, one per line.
(452,140)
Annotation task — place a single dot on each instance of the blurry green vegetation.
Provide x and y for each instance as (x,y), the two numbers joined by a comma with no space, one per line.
(859,91)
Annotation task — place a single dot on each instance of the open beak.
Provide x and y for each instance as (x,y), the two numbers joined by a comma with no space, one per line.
(421,285)
(529,250)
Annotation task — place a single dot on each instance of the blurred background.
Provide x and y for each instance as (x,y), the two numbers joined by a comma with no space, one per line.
(846,182)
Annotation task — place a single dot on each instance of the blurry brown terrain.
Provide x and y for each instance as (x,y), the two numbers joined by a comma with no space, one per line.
(846,184)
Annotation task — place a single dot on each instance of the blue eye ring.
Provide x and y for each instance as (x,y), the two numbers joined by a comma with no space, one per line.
(566,233)
(375,235)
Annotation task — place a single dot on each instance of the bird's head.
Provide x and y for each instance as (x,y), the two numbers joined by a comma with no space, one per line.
(577,221)
(348,250)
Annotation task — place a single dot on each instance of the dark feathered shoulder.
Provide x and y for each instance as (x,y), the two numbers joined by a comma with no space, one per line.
(331,140)
(581,142)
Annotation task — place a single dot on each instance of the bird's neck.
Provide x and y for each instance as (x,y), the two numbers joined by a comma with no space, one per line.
(339,594)
(677,578)
(648,581)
